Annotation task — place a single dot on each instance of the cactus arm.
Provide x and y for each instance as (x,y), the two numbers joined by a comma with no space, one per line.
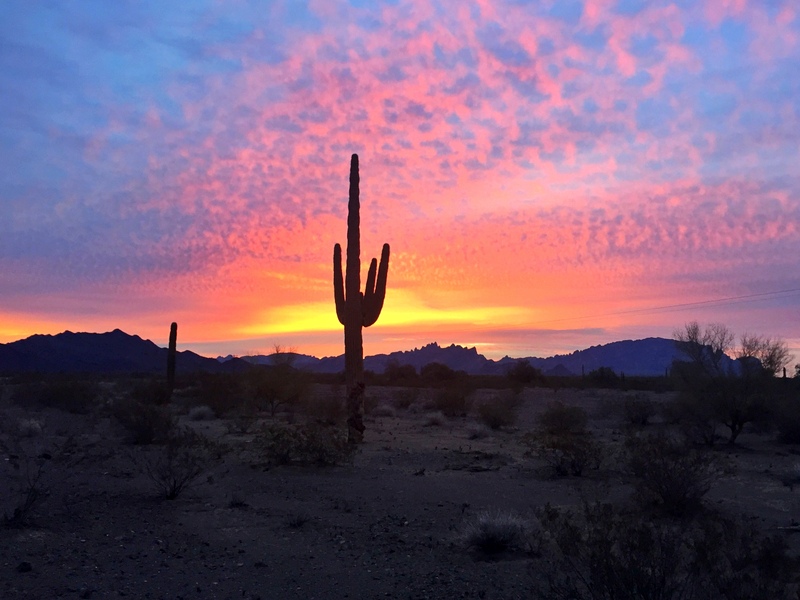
(373,300)
(338,283)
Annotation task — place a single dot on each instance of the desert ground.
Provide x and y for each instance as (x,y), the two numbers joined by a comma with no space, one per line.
(392,521)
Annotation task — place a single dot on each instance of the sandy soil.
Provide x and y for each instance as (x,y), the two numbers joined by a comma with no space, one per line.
(386,526)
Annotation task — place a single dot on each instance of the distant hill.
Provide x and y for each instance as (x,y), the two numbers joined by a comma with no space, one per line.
(111,352)
(119,352)
(648,357)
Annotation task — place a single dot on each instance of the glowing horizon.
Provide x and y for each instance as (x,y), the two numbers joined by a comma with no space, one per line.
(550,175)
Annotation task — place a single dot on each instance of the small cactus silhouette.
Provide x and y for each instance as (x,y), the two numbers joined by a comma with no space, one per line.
(354,308)
(173,341)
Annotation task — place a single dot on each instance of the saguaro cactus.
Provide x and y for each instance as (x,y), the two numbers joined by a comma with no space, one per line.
(354,308)
(173,342)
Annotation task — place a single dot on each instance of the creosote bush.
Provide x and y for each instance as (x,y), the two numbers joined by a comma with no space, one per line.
(180,462)
(70,394)
(500,410)
(308,444)
(493,532)
(602,553)
(144,422)
(563,441)
(452,402)
(671,474)
(638,411)
(31,468)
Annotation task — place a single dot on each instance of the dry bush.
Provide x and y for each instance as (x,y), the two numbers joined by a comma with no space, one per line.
(563,441)
(452,402)
(201,413)
(602,553)
(670,473)
(309,444)
(638,410)
(477,431)
(223,392)
(144,422)
(77,396)
(383,411)
(180,462)
(560,419)
(436,419)
(500,410)
(566,454)
(326,409)
(787,420)
(404,397)
(493,532)
(31,468)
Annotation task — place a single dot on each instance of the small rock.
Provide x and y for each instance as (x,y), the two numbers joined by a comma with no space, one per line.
(24,567)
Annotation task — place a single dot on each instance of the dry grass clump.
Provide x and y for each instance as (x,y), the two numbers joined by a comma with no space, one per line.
(500,411)
(494,532)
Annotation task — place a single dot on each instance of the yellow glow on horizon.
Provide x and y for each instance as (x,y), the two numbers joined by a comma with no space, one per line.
(402,309)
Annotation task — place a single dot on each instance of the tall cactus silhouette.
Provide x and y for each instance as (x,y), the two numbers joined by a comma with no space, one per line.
(354,308)
(173,342)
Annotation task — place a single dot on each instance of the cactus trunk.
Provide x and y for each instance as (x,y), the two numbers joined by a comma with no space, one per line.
(173,342)
(354,308)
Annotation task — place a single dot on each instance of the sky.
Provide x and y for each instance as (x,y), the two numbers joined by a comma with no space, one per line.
(550,175)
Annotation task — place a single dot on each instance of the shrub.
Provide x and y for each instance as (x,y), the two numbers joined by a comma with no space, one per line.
(559,419)
(201,413)
(500,411)
(787,420)
(569,454)
(452,401)
(272,387)
(638,410)
(180,462)
(327,409)
(603,553)
(495,532)
(145,422)
(149,391)
(670,473)
(562,440)
(524,374)
(223,392)
(405,397)
(310,444)
(476,431)
(436,419)
(31,468)
(72,395)
(383,411)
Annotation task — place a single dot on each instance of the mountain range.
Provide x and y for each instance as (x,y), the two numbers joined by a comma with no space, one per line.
(119,352)
(647,357)
(111,352)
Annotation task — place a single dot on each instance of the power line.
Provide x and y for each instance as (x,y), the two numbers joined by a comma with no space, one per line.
(676,307)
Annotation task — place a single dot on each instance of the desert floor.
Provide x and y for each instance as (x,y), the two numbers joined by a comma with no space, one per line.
(388,525)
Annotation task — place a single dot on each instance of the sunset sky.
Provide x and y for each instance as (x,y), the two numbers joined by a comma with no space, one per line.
(550,174)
